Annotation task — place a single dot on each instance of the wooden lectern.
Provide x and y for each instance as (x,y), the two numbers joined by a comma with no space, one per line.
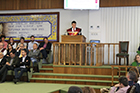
(68,38)
(74,52)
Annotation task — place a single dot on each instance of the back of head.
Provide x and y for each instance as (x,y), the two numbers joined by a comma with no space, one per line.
(123,80)
(75,89)
(132,76)
(88,90)
(137,73)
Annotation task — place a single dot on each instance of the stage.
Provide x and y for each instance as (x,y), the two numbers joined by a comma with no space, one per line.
(94,76)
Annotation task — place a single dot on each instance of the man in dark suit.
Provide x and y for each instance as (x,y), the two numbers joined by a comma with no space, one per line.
(24,63)
(2,60)
(45,47)
(11,63)
(74,30)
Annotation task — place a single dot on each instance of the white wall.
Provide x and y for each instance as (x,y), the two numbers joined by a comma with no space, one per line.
(66,17)
(115,24)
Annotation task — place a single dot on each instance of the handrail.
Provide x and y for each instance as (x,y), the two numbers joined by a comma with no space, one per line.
(82,53)
(84,43)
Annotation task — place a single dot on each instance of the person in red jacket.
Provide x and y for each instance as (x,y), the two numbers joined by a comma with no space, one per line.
(74,30)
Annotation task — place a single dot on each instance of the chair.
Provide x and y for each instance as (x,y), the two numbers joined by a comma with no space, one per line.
(123,52)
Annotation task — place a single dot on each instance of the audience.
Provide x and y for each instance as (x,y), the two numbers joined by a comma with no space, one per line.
(11,63)
(19,50)
(137,73)
(123,86)
(136,61)
(45,47)
(34,54)
(75,89)
(132,78)
(3,41)
(11,41)
(22,39)
(88,90)
(9,49)
(24,63)
(2,60)
(2,49)
(30,44)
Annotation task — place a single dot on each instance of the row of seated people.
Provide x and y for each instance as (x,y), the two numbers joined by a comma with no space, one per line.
(5,47)
(127,84)
(8,62)
(33,48)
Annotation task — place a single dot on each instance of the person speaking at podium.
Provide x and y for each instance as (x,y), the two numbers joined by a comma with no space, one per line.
(74,30)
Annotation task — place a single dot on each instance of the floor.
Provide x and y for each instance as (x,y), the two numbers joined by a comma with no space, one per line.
(25,87)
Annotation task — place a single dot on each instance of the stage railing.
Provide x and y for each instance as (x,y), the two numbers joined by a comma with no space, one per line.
(84,53)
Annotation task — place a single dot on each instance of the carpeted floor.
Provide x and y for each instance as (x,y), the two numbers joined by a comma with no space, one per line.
(24,87)
(10,87)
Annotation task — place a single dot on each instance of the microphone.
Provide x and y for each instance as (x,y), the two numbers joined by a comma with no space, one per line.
(80,33)
(65,33)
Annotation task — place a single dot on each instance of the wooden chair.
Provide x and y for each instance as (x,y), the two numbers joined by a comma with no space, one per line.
(123,52)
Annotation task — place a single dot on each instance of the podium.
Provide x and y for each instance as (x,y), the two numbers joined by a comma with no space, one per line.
(72,49)
(68,38)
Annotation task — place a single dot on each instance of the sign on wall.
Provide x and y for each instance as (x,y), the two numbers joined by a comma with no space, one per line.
(39,25)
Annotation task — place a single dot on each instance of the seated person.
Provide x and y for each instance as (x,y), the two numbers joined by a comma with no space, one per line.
(137,73)
(2,60)
(3,41)
(132,79)
(136,61)
(22,39)
(45,47)
(24,63)
(30,44)
(73,29)
(2,49)
(11,63)
(19,50)
(9,49)
(75,89)
(123,86)
(33,54)
(11,41)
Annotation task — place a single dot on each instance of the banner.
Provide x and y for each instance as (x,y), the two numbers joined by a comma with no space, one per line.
(39,25)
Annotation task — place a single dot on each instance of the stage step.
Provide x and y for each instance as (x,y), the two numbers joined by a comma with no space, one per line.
(48,70)
(74,76)
(47,65)
(73,81)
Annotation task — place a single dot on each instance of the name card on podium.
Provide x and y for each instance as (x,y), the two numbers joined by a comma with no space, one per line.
(73,33)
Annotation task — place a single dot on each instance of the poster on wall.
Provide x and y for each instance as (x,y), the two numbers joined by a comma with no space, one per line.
(25,25)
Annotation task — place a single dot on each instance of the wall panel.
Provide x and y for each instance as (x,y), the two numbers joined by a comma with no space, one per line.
(57,4)
(122,24)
